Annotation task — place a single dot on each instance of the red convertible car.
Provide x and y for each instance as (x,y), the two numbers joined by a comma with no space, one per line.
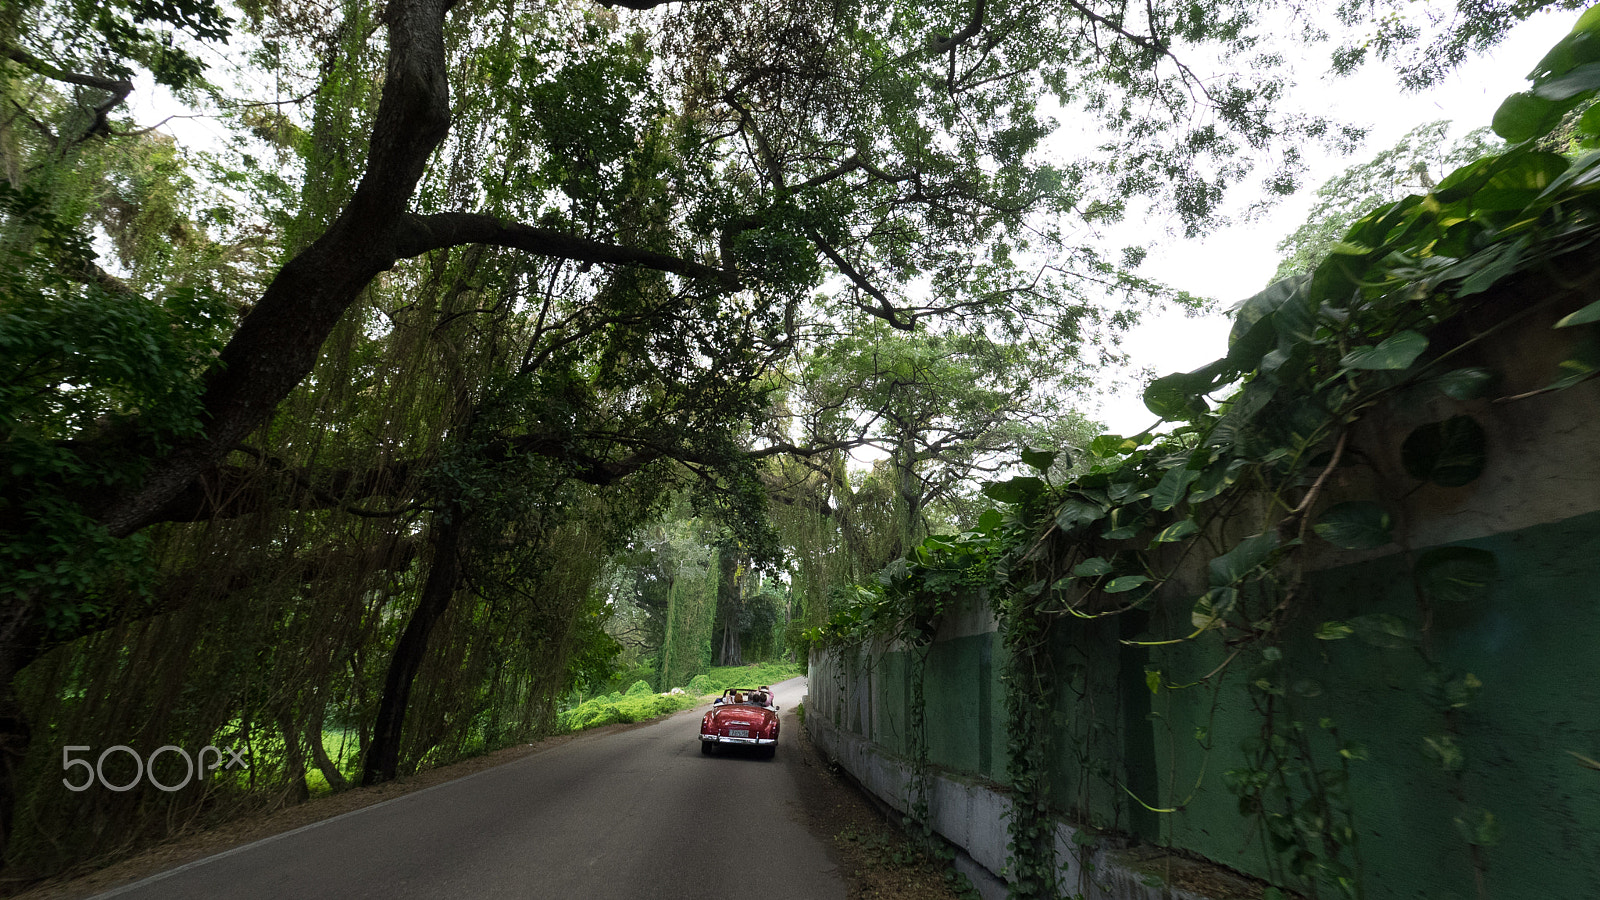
(741,717)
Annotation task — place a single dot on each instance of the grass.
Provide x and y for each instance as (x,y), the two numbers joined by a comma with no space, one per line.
(640,703)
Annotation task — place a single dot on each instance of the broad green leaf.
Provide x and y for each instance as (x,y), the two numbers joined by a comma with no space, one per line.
(1584,316)
(1124,583)
(1580,80)
(1443,747)
(1589,24)
(1521,116)
(1588,123)
(1247,556)
(1107,446)
(1014,490)
(1577,48)
(1383,630)
(1077,512)
(1251,399)
(1517,179)
(1094,565)
(1152,680)
(1355,525)
(1456,574)
(1492,266)
(1212,609)
(1333,631)
(1580,366)
(1398,351)
(1177,531)
(1467,384)
(1173,486)
(990,521)
(1174,398)
(1124,523)
(1450,453)
(1296,318)
(1215,479)
(1039,460)
(1123,491)
(1478,827)
(1254,333)
(1461,183)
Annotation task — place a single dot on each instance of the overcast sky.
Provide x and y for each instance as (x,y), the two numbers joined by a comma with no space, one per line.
(1236,262)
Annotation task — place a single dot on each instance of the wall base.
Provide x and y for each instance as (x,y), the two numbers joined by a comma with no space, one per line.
(971,814)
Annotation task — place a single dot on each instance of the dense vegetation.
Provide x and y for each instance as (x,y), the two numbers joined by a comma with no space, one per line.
(1198,533)
(482,336)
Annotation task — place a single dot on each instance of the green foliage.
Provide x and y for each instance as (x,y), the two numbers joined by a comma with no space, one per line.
(75,359)
(720,678)
(614,708)
(1412,166)
(639,703)
(1312,354)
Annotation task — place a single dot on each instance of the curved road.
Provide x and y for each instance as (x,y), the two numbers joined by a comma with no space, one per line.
(633,814)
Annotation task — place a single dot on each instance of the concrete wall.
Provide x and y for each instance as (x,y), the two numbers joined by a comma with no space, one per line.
(1534,646)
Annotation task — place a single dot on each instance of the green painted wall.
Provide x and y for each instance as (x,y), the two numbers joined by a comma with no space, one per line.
(1535,647)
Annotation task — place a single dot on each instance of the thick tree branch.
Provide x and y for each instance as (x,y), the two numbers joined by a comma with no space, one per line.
(947,44)
(119,86)
(443,230)
(885,309)
(117,89)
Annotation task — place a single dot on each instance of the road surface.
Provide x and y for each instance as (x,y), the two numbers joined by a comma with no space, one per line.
(633,814)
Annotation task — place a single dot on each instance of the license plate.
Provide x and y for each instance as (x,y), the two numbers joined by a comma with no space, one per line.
(738,732)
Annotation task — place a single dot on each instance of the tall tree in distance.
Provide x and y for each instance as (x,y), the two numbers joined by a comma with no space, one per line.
(1412,166)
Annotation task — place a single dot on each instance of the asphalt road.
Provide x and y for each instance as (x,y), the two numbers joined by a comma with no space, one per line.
(633,814)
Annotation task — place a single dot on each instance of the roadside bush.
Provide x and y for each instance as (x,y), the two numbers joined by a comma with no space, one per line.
(640,704)
(631,708)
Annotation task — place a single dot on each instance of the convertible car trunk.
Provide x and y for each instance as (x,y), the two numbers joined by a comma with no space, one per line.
(749,718)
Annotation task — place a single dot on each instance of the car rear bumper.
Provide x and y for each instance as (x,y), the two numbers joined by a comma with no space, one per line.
(743,742)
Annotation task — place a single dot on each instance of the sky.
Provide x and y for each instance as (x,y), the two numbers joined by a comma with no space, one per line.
(1233,263)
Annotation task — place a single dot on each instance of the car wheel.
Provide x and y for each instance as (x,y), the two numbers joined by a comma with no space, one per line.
(769,751)
(705,747)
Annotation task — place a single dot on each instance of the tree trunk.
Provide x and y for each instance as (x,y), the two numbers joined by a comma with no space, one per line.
(728,599)
(15,736)
(319,755)
(382,761)
(22,639)
(294,763)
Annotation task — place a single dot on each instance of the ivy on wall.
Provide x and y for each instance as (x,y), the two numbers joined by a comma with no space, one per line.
(1380,319)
